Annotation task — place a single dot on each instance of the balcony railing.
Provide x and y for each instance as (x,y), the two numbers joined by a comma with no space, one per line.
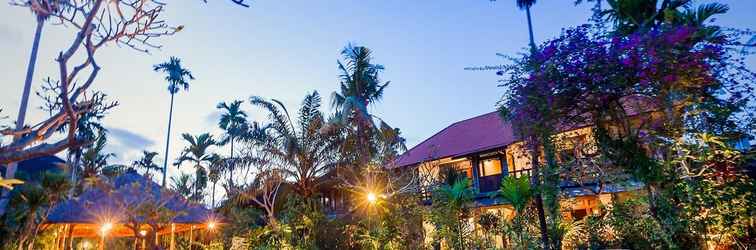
(520,172)
(489,183)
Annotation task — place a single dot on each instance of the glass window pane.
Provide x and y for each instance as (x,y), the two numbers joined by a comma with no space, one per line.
(490,167)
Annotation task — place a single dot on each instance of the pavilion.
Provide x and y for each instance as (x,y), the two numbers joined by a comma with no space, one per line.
(124,207)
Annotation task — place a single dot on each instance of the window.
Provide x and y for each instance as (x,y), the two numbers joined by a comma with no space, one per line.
(490,167)
(579,214)
(463,167)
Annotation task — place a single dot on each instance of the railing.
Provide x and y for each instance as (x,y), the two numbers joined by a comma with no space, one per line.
(520,172)
(489,183)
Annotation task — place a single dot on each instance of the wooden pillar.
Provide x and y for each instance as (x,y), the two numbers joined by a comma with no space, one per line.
(70,236)
(474,163)
(191,236)
(102,242)
(173,237)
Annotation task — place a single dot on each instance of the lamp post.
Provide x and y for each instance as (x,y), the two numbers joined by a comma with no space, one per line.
(173,237)
(143,235)
(104,229)
(372,199)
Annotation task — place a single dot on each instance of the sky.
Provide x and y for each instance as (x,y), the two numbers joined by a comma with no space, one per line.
(284,49)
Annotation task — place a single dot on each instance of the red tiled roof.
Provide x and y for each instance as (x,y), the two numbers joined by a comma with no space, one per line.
(476,134)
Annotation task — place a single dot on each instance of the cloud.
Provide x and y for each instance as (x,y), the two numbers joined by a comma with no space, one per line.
(213,117)
(126,145)
(130,139)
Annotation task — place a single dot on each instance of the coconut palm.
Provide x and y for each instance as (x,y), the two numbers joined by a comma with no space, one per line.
(177,78)
(197,153)
(232,121)
(631,16)
(359,88)
(147,162)
(303,148)
(360,83)
(526,4)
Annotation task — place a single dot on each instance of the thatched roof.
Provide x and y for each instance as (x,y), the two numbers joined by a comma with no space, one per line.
(113,202)
(33,169)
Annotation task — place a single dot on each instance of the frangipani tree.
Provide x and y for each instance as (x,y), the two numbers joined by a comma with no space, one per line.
(97,23)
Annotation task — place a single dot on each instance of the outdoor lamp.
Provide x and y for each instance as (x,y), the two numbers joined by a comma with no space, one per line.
(372,198)
(105,228)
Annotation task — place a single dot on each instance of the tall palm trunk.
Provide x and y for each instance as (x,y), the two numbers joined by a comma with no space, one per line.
(530,29)
(10,172)
(212,202)
(233,164)
(538,200)
(536,169)
(168,140)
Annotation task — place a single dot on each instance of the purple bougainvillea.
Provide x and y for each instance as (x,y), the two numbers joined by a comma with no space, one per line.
(584,73)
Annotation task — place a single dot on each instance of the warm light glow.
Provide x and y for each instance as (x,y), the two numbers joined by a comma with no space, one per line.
(105,228)
(211,225)
(143,233)
(86,245)
(371,197)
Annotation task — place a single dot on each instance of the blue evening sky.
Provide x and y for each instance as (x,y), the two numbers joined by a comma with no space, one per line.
(284,49)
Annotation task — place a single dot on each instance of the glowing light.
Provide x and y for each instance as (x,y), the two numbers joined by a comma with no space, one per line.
(372,198)
(106,227)
(211,225)
(143,233)
(86,245)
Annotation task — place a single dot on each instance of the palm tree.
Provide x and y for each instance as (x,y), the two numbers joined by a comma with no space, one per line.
(232,121)
(33,202)
(526,4)
(177,78)
(147,162)
(359,88)
(304,149)
(94,159)
(183,185)
(631,16)
(217,165)
(517,192)
(455,198)
(197,153)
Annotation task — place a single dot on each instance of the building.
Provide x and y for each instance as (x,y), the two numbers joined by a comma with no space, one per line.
(486,149)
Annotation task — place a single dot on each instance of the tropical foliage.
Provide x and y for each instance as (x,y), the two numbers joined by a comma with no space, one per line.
(665,92)
(197,152)
(301,145)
